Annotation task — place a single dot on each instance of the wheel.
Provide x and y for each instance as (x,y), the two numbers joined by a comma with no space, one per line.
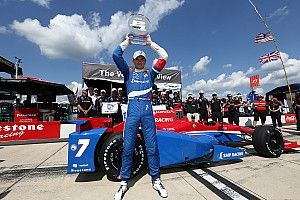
(110,156)
(268,141)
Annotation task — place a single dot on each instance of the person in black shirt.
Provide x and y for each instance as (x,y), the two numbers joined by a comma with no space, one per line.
(275,113)
(233,106)
(123,99)
(297,110)
(190,109)
(102,98)
(202,106)
(85,104)
(114,96)
(215,108)
(166,100)
(155,98)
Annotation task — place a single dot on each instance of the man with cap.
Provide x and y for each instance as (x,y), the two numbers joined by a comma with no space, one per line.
(94,98)
(115,98)
(85,104)
(233,106)
(202,106)
(139,82)
(215,108)
(190,109)
(102,98)
(260,110)
(122,97)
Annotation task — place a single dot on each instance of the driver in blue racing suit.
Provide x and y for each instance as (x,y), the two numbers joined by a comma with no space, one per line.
(139,82)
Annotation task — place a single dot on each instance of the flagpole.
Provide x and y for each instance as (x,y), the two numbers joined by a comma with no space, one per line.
(277,48)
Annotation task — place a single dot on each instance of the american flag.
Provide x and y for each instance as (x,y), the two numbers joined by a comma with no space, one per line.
(269,57)
(261,37)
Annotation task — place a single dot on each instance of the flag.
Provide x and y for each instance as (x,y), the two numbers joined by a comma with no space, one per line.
(269,57)
(261,37)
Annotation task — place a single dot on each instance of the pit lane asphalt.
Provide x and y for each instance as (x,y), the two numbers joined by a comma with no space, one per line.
(38,171)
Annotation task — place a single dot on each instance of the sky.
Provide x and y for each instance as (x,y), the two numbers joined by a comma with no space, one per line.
(210,41)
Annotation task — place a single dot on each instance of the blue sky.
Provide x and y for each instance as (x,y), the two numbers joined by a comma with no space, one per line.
(211,41)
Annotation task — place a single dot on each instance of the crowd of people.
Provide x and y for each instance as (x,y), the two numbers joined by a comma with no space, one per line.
(232,108)
(195,108)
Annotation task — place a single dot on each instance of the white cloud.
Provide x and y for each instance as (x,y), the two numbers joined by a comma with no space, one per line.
(73,37)
(201,64)
(239,81)
(251,70)
(280,12)
(228,65)
(3,30)
(95,19)
(44,3)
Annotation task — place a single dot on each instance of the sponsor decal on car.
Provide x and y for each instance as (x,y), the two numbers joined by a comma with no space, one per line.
(223,155)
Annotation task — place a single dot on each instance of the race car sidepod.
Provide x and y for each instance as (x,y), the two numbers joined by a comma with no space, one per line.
(81,150)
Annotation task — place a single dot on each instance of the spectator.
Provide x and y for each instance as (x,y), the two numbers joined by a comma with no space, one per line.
(297,110)
(155,98)
(117,117)
(123,99)
(176,98)
(165,100)
(215,108)
(114,96)
(85,104)
(202,106)
(94,98)
(18,103)
(190,109)
(233,106)
(100,100)
(275,111)
(260,110)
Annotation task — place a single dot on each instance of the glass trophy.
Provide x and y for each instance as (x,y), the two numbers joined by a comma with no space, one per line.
(139,27)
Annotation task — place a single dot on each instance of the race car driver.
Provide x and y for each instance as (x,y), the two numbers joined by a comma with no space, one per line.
(139,82)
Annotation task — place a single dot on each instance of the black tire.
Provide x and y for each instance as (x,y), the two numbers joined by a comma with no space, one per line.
(109,157)
(268,141)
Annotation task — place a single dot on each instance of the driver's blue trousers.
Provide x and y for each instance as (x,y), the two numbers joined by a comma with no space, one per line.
(140,112)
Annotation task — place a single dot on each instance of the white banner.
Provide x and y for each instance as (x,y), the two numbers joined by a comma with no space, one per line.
(109,107)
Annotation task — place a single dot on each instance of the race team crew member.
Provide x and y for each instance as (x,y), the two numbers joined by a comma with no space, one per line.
(203,106)
(233,106)
(85,104)
(274,108)
(190,109)
(215,107)
(260,110)
(139,82)
(297,110)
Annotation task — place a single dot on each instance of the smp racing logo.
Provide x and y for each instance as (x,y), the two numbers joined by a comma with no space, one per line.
(9,131)
(230,155)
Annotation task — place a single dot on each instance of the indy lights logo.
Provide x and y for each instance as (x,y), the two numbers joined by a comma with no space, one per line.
(9,131)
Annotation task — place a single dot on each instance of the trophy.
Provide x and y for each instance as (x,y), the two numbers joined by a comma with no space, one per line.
(139,26)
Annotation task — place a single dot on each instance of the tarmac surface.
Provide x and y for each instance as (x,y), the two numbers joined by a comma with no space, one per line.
(38,171)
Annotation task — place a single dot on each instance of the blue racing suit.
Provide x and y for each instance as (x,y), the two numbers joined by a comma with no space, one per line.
(139,89)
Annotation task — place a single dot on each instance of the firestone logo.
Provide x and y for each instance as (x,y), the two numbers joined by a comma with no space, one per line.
(9,131)
(27,115)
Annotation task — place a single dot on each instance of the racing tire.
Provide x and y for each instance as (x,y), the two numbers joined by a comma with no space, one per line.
(110,157)
(268,141)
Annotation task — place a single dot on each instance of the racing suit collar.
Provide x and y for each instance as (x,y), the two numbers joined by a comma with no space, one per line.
(140,70)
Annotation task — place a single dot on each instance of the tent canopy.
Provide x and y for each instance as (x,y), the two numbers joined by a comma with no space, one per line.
(31,86)
(284,89)
(9,67)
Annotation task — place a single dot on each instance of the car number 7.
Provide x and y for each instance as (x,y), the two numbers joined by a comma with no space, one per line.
(85,143)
